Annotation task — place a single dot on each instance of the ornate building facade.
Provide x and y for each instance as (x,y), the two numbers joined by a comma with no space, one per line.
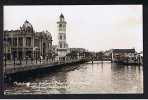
(62,44)
(25,42)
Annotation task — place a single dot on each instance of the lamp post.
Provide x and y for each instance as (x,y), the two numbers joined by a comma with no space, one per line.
(14,58)
(35,52)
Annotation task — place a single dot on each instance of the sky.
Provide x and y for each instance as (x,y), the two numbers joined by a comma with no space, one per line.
(93,27)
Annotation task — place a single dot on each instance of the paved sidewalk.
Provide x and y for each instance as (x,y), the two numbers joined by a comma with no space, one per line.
(11,68)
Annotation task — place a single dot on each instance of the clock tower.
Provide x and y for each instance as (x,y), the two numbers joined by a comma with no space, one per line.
(62,44)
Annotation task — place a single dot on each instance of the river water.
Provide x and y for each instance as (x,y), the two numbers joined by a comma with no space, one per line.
(96,78)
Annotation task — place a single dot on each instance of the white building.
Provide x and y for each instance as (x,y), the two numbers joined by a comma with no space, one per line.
(62,44)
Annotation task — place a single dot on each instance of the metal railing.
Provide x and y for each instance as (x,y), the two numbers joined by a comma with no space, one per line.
(16,63)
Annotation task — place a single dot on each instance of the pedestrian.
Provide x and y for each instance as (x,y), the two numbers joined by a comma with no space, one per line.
(26,59)
(40,59)
(31,59)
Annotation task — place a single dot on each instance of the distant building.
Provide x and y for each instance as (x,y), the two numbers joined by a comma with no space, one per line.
(107,55)
(139,57)
(76,49)
(25,42)
(78,53)
(123,55)
(62,44)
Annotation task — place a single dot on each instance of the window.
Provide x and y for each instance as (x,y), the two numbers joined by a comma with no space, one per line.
(60,45)
(60,25)
(64,45)
(20,43)
(60,37)
(9,41)
(28,41)
(15,41)
(36,43)
(62,19)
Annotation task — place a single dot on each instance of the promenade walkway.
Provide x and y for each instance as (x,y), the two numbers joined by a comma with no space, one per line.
(11,68)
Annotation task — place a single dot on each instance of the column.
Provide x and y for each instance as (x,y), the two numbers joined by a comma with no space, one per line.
(33,46)
(40,42)
(32,41)
(23,49)
(11,46)
(17,47)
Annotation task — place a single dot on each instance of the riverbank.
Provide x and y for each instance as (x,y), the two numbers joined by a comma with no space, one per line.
(20,73)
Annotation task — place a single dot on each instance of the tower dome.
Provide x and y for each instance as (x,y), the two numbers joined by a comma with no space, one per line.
(49,34)
(27,27)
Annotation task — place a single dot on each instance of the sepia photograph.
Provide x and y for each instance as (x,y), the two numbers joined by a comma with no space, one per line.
(73,49)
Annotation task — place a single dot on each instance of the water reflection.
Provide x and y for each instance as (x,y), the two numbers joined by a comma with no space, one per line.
(89,78)
(127,79)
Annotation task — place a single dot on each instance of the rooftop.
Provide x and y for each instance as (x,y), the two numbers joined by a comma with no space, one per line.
(124,50)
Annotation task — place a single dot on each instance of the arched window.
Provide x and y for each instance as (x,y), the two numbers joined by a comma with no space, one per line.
(60,25)
(60,45)
(64,45)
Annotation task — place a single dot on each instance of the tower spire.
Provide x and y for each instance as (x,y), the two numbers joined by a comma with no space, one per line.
(61,16)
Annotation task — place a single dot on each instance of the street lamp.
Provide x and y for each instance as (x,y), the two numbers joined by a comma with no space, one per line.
(35,52)
(14,58)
